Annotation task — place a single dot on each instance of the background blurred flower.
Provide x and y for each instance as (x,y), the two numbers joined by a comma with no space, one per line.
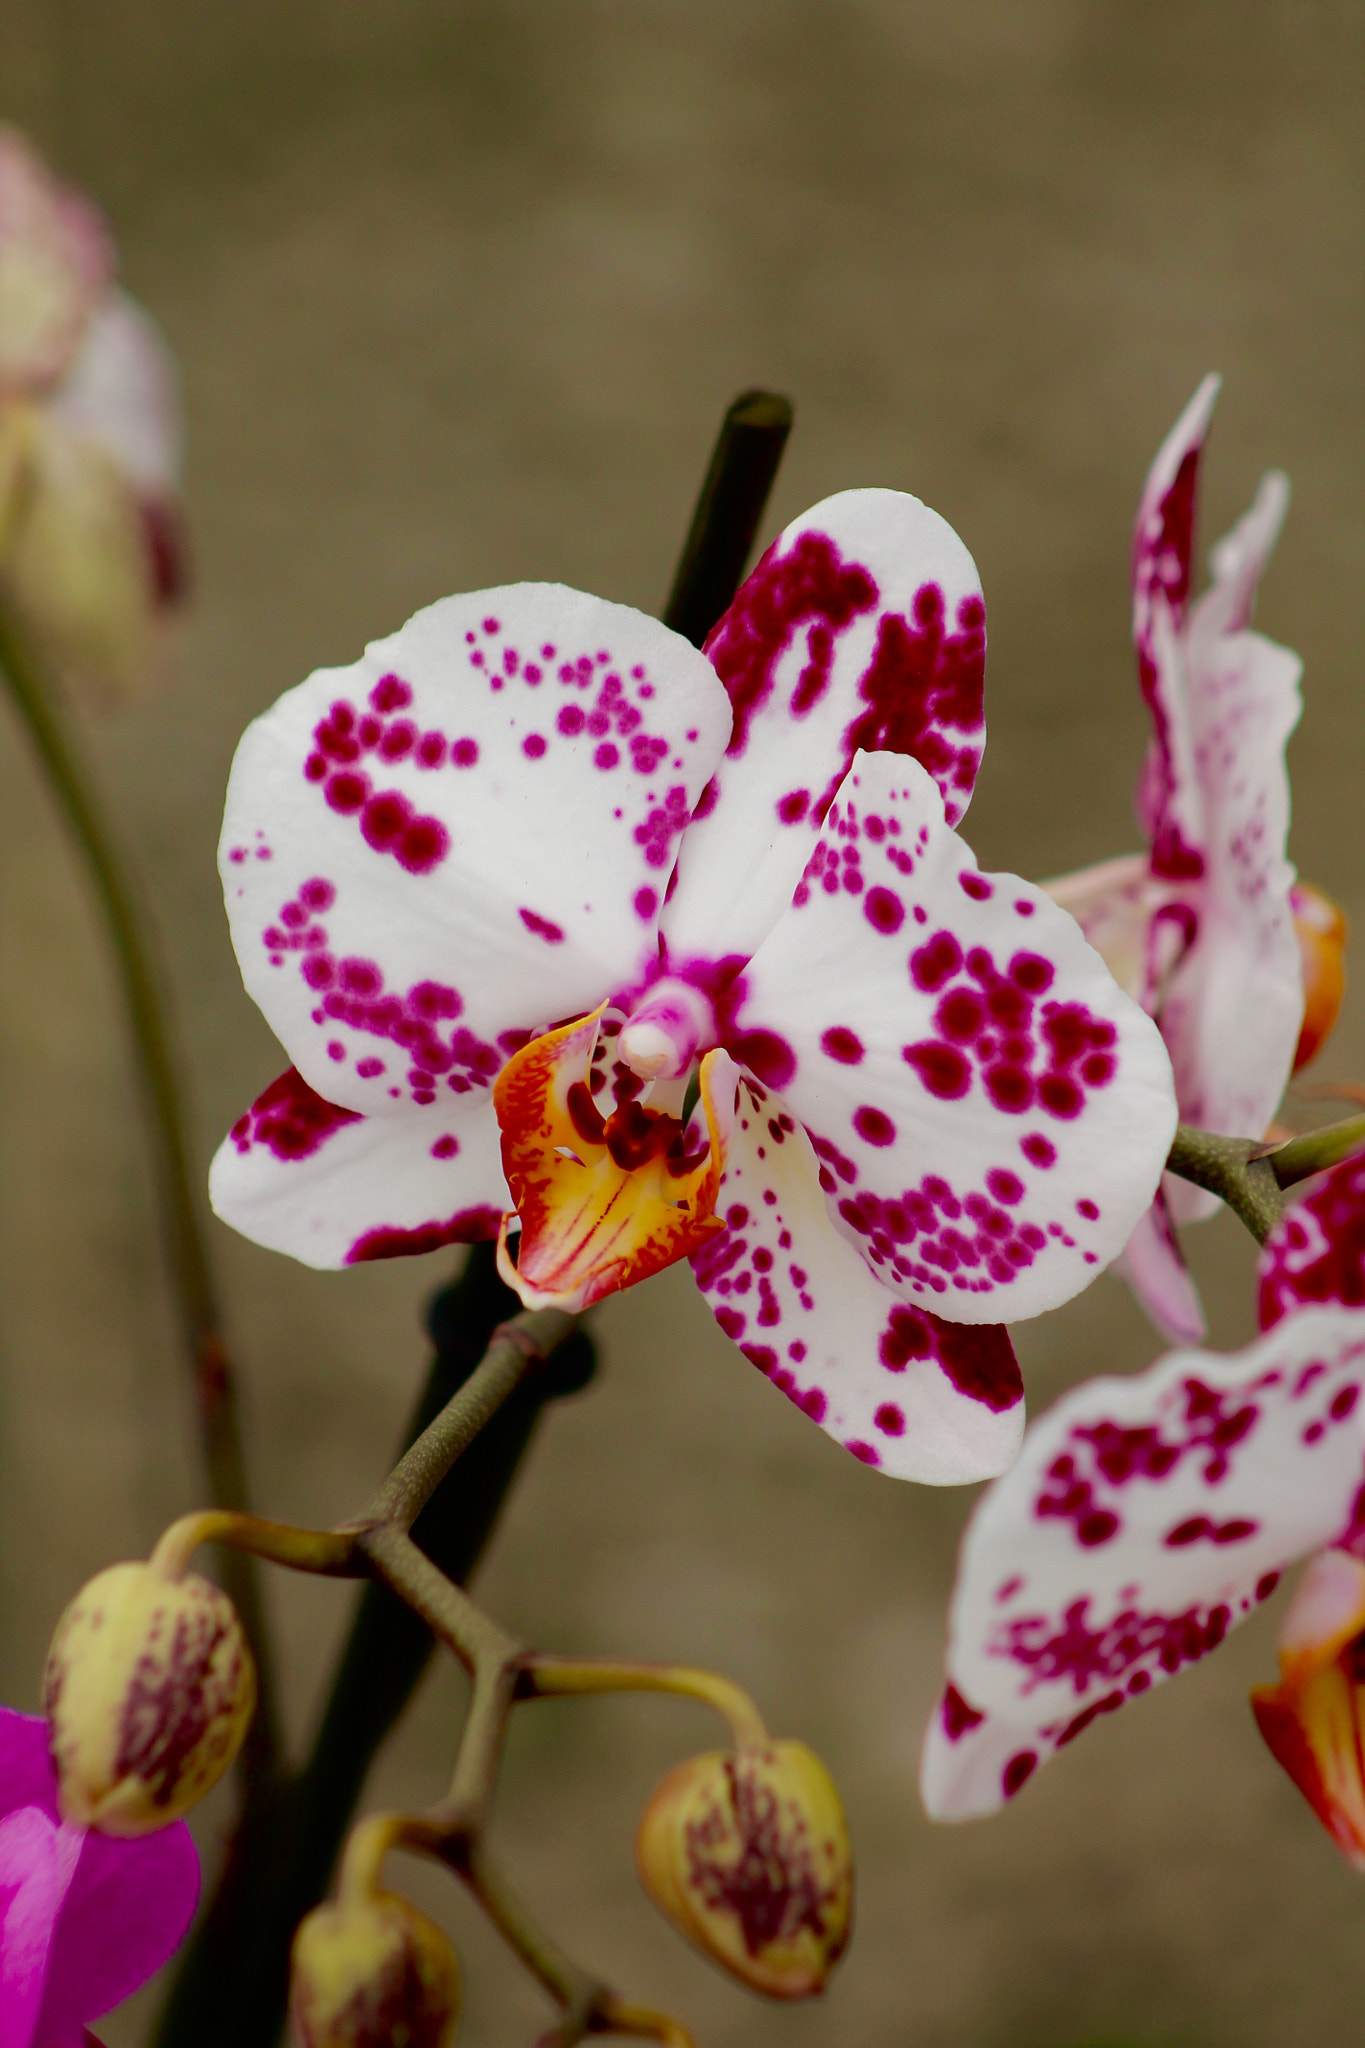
(1201,929)
(92,546)
(1147,1517)
(84,1919)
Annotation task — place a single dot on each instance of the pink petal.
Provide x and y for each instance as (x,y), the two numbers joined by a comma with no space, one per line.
(332,1188)
(124,1905)
(463,836)
(917,1398)
(1148,1516)
(37,1861)
(862,626)
(123,392)
(1316,1253)
(55,261)
(991,1111)
(1154,1267)
(1163,551)
(128,1910)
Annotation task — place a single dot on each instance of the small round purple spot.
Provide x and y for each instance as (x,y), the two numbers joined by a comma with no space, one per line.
(533,746)
(606,756)
(445,1147)
(464,753)
(883,911)
(874,1126)
(843,1045)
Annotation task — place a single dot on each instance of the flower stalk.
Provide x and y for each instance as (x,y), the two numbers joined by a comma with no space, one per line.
(211,1369)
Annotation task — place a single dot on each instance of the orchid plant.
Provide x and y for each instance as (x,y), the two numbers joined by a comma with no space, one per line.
(599,943)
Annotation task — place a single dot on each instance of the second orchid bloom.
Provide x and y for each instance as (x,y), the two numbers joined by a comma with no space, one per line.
(575,932)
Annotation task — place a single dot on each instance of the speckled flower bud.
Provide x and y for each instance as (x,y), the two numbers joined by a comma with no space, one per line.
(149,1690)
(748,1855)
(373,1972)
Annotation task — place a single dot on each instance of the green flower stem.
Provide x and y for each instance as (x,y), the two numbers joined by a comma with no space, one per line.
(214,1383)
(545,1677)
(734,492)
(516,1349)
(1231,1169)
(1314,1151)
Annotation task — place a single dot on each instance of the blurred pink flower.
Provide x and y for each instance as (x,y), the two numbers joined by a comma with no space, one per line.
(1200,929)
(92,548)
(1147,1517)
(84,1918)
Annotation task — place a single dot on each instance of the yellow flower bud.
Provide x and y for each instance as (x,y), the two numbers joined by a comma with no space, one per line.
(373,1972)
(748,1855)
(149,1690)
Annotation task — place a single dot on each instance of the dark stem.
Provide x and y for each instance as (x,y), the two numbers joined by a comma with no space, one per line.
(232,1984)
(214,1382)
(744,462)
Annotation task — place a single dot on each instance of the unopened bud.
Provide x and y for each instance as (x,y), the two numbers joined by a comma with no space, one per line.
(149,1690)
(373,1972)
(748,1855)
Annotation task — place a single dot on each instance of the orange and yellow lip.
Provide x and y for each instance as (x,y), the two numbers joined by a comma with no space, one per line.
(601,1201)
(1313,1721)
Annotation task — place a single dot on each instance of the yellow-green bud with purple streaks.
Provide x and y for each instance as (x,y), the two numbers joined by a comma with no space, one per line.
(149,1690)
(748,1855)
(373,1972)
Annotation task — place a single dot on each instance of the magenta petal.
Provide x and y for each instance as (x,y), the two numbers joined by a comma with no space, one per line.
(36,1862)
(1316,1252)
(25,1769)
(128,1909)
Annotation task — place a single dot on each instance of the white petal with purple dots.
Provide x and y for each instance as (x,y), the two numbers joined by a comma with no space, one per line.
(333,1188)
(862,626)
(991,1111)
(1144,1519)
(917,1398)
(464,836)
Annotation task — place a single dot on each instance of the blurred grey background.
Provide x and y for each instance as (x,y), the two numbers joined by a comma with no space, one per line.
(459,292)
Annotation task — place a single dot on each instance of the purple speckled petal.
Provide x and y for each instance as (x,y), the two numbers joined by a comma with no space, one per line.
(466,834)
(991,1111)
(122,391)
(1154,1267)
(862,627)
(1231,1011)
(1316,1253)
(971,1763)
(917,1398)
(332,1188)
(1169,805)
(1144,1519)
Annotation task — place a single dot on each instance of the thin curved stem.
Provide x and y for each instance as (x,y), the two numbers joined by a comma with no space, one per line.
(546,1677)
(210,1365)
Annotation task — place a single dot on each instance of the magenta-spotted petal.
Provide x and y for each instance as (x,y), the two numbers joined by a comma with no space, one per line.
(991,1112)
(1231,1011)
(915,1397)
(862,627)
(1154,1266)
(333,1188)
(463,837)
(971,1763)
(1145,1518)
(1316,1252)
(1169,804)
